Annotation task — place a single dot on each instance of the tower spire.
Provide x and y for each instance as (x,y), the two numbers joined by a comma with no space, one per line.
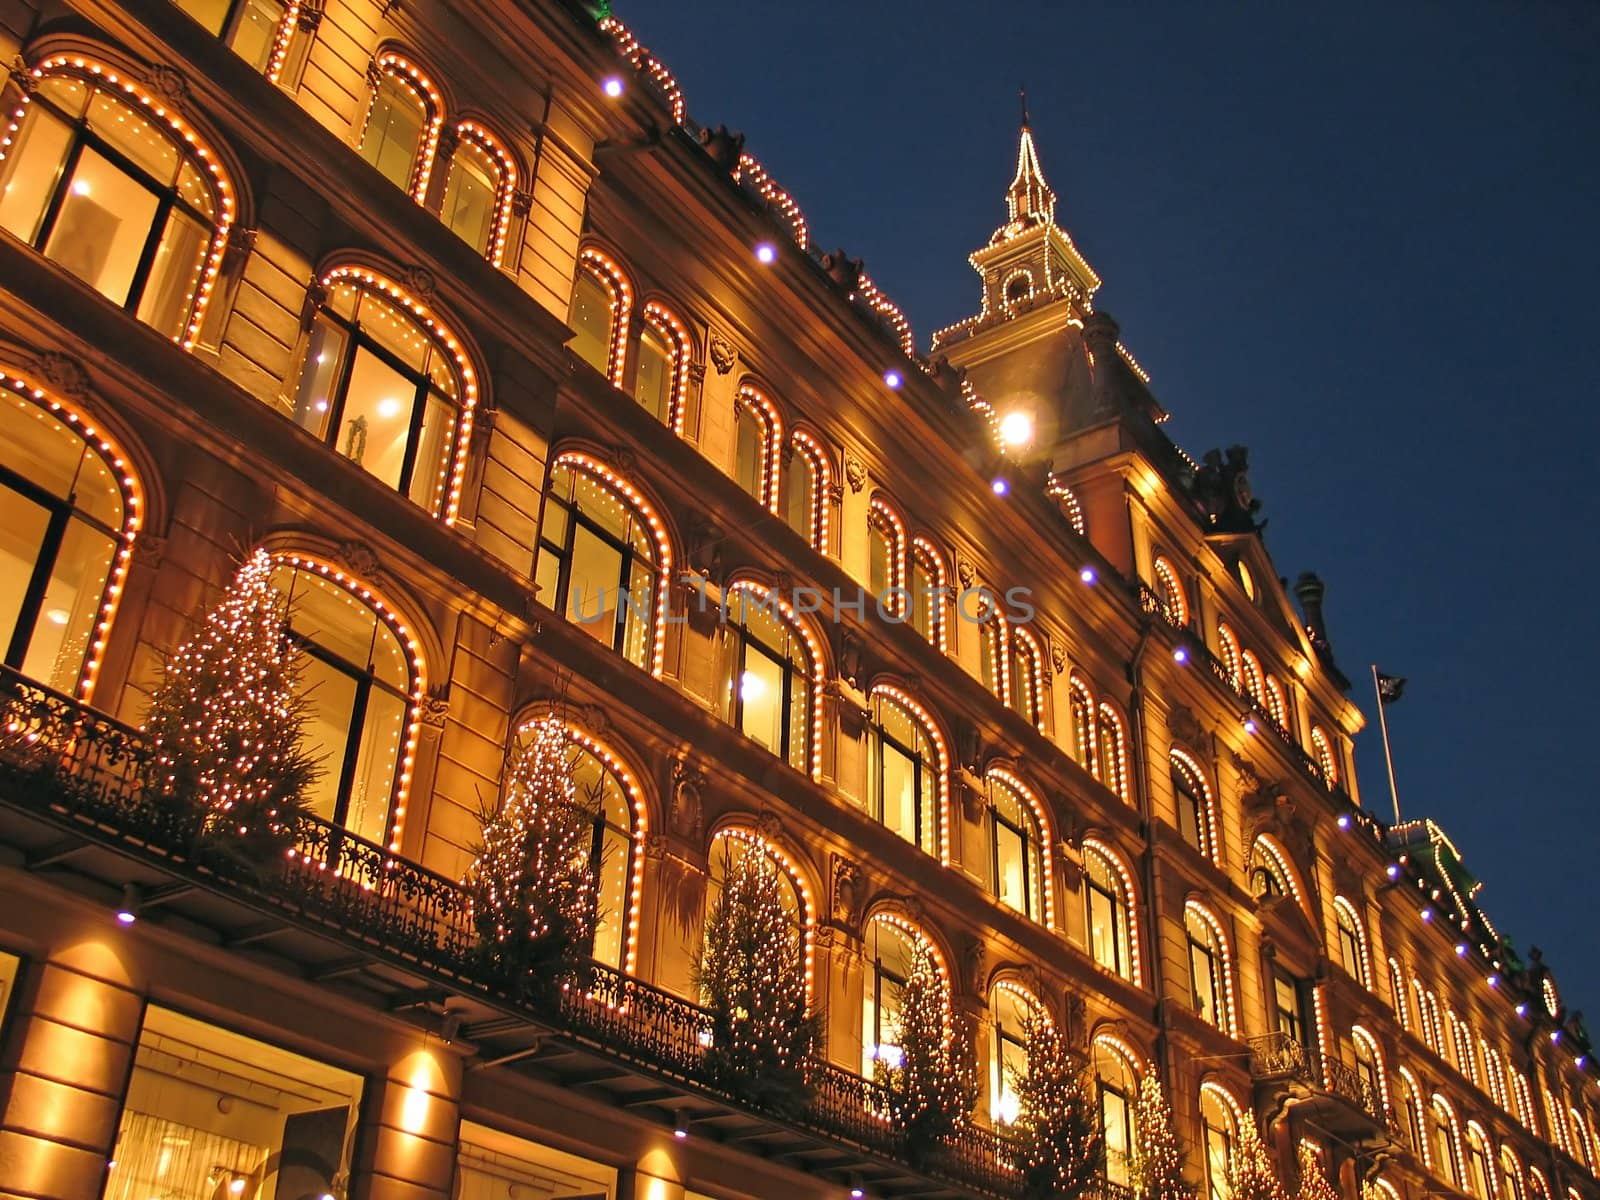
(1030,200)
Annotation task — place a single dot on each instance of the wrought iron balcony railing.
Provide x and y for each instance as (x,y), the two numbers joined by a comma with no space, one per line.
(1277,1056)
(87,772)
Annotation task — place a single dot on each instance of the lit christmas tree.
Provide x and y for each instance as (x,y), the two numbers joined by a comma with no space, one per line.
(1059,1137)
(1158,1166)
(752,977)
(1252,1175)
(933,1088)
(1314,1182)
(227,723)
(532,888)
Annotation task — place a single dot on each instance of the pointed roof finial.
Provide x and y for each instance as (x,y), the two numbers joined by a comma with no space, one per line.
(1029,198)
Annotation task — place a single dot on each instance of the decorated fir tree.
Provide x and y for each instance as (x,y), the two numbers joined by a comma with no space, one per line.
(1158,1165)
(532,888)
(932,1089)
(1314,1182)
(1059,1139)
(752,978)
(227,723)
(1252,1175)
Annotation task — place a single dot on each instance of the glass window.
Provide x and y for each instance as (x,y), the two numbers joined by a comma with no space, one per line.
(61,516)
(249,27)
(592,318)
(880,554)
(357,681)
(902,771)
(596,563)
(771,686)
(1218,1126)
(991,655)
(610,854)
(1109,747)
(381,391)
(472,194)
(1289,1008)
(104,191)
(889,949)
(214,1115)
(1187,791)
(1367,1070)
(1117,1114)
(799,490)
(653,378)
(1441,1130)
(1025,679)
(1349,942)
(1110,939)
(392,141)
(1018,852)
(926,603)
(491,1165)
(1008,1066)
(1205,970)
(749,468)
(1082,723)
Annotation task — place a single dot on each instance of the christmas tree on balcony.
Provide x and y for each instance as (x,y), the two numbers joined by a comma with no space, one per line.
(532,888)
(1314,1182)
(227,724)
(1158,1165)
(1059,1139)
(752,978)
(1252,1174)
(932,1088)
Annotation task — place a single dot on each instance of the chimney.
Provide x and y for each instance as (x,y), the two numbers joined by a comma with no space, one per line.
(1309,590)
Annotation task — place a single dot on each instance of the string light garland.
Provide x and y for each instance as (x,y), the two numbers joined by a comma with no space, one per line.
(933,1086)
(1058,1139)
(929,556)
(666,323)
(415,80)
(752,172)
(765,412)
(796,877)
(1251,1173)
(642,60)
(505,188)
(889,521)
(1197,780)
(612,278)
(811,446)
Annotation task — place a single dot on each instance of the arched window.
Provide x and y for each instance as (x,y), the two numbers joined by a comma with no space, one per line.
(728,848)
(1444,1138)
(387,387)
(1251,674)
(928,589)
(1027,676)
(1397,988)
(403,122)
(1322,750)
(1210,969)
(808,489)
(1494,1071)
(1524,1097)
(613,798)
(252,29)
(602,300)
(1427,1018)
(1511,1173)
(68,517)
(905,769)
(1270,874)
(1228,652)
(1169,593)
(661,372)
(1111,757)
(1067,504)
(362,680)
(1108,904)
(478,191)
(1019,846)
(1580,1138)
(1219,1124)
(1276,701)
(1537,1187)
(776,674)
(1464,1047)
(1352,941)
(602,558)
(1480,1180)
(891,945)
(1369,1069)
(115,189)
(1014,1010)
(1193,800)
(1081,702)
(758,433)
(1412,1114)
(1117,1083)
(886,554)
(992,659)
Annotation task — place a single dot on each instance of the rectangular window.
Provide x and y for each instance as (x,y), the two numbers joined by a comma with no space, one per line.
(470,194)
(1118,1118)
(652,383)
(1010,867)
(748,451)
(761,698)
(897,775)
(491,1165)
(1103,929)
(1289,1009)
(591,319)
(1203,973)
(1189,819)
(212,1113)
(1218,1152)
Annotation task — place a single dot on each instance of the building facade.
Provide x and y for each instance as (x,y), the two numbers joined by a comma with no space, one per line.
(524,380)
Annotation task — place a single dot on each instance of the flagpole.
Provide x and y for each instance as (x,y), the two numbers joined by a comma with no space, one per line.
(1388,756)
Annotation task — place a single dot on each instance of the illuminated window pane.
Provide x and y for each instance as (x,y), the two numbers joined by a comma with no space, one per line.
(491,1165)
(880,558)
(1203,976)
(70,606)
(393,135)
(591,320)
(898,800)
(103,224)
(652,384)
(923,599)
(748,453)
(207,1108)
(1117,1115)
(255,31)
(761,686)
(610,855)
(797,495)
(174,274)
(31,170)
(130,133)
(376,421)
(471,194)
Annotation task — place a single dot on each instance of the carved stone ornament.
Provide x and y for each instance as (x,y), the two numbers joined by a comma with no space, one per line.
(856,472)
(836,493)
(973,797)
(1058,659)
(241,242)
(697,372)
(360,558)
(1185,726)
(770,825)
(310,16)
(521,202)
(435,710)
(419,281)
(966,573)
(1077,1017)
(846,890)
(850,656)
(688,787)
(446,141)
(149,549)
(167,82)
(703,540)
(913,907)
(969,745)
(625,459)
(63,373)
(722,354)
(1069,869)
(973,960)
(26,83)
(655,847)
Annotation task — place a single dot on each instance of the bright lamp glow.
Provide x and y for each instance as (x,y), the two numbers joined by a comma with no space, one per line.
(612,86)
(1016,429)
(1000,486)
(1088,575)
(751,687)
(766,254)
(892,378)
(1180,656)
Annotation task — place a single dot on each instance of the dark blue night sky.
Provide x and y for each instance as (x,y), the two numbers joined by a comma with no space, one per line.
(1360,240)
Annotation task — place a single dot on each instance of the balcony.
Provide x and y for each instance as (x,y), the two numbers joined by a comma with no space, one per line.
(1294,1075)
(344,912)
